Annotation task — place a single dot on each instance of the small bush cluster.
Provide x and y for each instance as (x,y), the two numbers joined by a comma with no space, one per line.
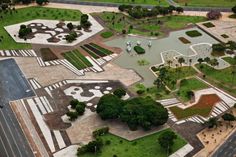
(107,34)
(208,24)
(79,108)
(24,31)
(71,37)
(100,132)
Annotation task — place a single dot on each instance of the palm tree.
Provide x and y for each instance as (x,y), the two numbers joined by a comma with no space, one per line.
(169,62)
(190,62)
(212,122)
(181,61)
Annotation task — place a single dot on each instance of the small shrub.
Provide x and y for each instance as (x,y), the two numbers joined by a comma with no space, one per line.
(139,50)
(119,92)
(140,91)
(107,34)
(225,36)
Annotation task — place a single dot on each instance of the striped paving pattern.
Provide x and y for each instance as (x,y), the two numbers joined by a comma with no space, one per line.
(49,88)
(40,106)
(34,84)
(17,53)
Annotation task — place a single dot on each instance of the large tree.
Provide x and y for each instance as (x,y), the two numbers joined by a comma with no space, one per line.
(166,140)
(136,112)
(109,107)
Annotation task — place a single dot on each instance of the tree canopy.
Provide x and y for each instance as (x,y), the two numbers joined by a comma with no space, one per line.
(136,112)
(166,140)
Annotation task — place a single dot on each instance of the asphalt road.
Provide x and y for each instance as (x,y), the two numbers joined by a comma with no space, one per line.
(228,149)
(186,8)
(13,86)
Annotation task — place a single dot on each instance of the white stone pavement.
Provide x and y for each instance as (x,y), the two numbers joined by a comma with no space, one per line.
(41,38)
(182,151)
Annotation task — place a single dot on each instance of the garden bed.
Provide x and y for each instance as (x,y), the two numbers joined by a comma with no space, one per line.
(139,50)
(104,50)
(193,33)
(47,54)
(184,40)
(208,24)
(77,59)
(203,107)
(90,52)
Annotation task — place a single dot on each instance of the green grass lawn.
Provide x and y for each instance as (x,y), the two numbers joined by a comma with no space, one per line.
(221,78)
(148,2)
(224,76)
(77,59)
(31,13)
(230,60)
(186,85)
(153,92)
(151,27)
(144,147)
(207,3)
(175,74)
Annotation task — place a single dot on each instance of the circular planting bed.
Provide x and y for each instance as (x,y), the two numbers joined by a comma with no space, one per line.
(139,50)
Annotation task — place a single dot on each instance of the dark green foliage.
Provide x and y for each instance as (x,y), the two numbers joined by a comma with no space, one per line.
(144,112)
(41,2)
(234,9)
(142,12)
(211,123)
(73,103)
(80,109)
(119,92)
(208,25)
(78,106)
(139,50)
(228,117)
(166,140)
(109,107)
(193,33)
(73,115)
(24,31)
(92,147)
(84,21)
(71,37)
(70,26)
(218,47)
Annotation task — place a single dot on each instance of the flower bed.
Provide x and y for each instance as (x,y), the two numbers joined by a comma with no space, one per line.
(77,59)
(96,51)
(203,107)
(106,51)
(193,33)
(139,50)
(89,52)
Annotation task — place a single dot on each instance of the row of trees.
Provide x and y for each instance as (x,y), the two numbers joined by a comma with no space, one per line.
(142,12)
(136,112)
